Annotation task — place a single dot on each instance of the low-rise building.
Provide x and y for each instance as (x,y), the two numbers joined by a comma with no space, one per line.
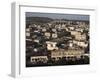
(67,53)
(79,29)
(80,37)
(27,32)
(71,28)
(35,59)
(80,43)
(47,34)
(75,33)
(51,45)
(36,40)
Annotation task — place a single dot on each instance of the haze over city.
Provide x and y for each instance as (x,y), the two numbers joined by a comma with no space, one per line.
(58,16)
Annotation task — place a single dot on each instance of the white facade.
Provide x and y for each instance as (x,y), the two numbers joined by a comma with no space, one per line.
(35,40)
(51,45)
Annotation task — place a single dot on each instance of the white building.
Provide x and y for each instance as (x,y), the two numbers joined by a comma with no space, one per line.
(36,40)
(63,26)
(51,45)
(28,32)
(71,28)
(79,29)
(66,29)
(47,34)
(54,30)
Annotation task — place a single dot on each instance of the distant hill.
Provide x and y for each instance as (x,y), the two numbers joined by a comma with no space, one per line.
(30,20)
(41,20)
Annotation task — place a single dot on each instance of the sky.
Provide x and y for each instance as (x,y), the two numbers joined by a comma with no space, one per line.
(58,16)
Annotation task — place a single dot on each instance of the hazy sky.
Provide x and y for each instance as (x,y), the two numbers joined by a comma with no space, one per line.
(58,16)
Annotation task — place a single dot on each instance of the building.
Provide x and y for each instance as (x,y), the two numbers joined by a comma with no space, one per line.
(67,53)
(44,30)
(80,43)
(54,30)
(75,33)
(51,45)
(47,34)
(79,29)
(35,59)
(80,37)
(71,28)
(28,32)
(36,40)
(63,26)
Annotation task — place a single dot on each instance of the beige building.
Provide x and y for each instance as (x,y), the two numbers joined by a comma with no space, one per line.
(67,53)
(75,33)
(80,37)
(80,43)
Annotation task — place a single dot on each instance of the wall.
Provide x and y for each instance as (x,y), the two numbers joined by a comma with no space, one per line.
(5,40)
